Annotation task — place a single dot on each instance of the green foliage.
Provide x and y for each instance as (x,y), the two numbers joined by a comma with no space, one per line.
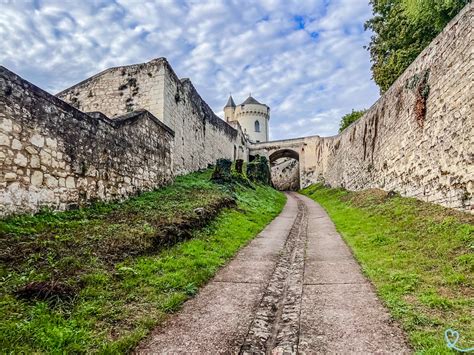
(402,29)
(222,171)
(417,255)
(258,170)
(120,295)
(349,118)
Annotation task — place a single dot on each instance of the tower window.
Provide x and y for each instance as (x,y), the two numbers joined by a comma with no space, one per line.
(257,126)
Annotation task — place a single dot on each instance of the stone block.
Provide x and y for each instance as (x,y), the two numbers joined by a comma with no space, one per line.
(16,144)
(6,124)
(4,139)
(45,158)
(37,140)
(51,181)
(35,161)
(52,143)
(20,160)
(10,176)
(37,178)
(70,182)
(31,150)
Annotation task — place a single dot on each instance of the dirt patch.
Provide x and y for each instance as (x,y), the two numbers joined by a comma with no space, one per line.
(50,291)
(163,232)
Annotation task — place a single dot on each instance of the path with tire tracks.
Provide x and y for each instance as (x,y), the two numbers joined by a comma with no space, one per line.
(295,288)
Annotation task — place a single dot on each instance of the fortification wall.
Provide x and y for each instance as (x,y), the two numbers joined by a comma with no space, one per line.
(200,136)
(118,91)
(286,174)
(418,138)
(54,155)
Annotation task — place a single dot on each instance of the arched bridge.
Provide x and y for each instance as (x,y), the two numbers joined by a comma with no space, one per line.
(301,149)
(288,148)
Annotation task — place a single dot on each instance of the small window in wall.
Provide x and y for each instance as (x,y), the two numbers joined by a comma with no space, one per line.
(257,126)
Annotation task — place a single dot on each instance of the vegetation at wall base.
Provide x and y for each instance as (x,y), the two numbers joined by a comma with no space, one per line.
(98,279)
(418,255)
(258,170)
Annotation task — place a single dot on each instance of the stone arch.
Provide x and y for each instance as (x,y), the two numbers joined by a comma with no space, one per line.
(285,172)
(283,153)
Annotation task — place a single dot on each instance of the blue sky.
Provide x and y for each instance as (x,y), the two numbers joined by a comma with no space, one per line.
(303,58)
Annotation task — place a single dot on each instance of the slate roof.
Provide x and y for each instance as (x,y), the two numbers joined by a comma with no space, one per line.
(230,102)
(250,100)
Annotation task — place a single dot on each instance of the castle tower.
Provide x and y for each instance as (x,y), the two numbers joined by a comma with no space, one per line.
(229,109)
(252,116)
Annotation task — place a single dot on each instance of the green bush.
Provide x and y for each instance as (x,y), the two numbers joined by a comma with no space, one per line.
(350,118)
(258,170)
(222,171)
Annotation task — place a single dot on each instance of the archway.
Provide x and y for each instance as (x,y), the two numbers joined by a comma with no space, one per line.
(285,169)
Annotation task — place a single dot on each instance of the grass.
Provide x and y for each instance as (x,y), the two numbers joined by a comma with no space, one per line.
(419,256)
(114,271)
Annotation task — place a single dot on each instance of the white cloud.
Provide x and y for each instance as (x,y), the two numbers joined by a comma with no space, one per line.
(302,58)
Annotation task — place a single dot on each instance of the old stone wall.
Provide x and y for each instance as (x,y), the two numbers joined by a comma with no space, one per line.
(286,174)
(118,91)
(417,139)
(54,155)
(200,136)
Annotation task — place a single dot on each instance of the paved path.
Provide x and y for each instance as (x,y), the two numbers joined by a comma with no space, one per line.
(295,288)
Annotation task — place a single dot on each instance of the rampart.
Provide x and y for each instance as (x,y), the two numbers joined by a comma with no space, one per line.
(200,136)
(53,155)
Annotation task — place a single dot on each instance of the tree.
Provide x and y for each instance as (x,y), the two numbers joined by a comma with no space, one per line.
(402,29)
(347,119)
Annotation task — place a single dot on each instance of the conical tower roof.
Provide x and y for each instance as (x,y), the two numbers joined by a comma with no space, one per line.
(230,102)
(251,100)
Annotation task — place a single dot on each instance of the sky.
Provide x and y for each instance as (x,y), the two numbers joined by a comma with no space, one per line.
(304,58)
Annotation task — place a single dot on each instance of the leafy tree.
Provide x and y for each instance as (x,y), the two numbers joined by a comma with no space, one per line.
(402,29)
(347,119)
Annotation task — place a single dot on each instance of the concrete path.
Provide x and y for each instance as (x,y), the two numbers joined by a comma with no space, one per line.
(295,288)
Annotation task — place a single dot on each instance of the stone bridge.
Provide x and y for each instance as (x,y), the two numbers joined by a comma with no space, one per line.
(301,149)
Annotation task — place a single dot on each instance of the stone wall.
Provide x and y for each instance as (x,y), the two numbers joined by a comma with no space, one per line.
(417,139)
(422,148)
(117,91)
(200,136)
(54,155)
(286,174)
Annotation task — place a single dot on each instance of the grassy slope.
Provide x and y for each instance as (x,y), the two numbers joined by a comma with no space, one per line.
(419,256)
(124,284)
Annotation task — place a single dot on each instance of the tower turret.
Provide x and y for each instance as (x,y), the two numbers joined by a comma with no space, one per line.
(252,116)
(229,109)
